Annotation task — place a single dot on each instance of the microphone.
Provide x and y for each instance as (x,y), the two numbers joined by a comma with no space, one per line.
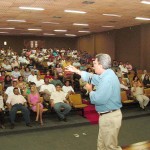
(90,79)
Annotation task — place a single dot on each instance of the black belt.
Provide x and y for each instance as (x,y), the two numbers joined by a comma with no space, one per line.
(107,112)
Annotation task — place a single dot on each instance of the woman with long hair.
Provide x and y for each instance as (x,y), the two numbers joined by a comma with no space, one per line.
(35,103)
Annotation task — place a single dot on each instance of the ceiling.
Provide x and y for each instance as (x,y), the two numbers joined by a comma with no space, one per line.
(54,12)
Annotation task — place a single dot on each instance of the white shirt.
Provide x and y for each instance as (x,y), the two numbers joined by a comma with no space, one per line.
(15,74)
(39,82)
(138,91)
(58,97)
(8,67)
(32,78)
(9,90)
(123,87)
(67,89)
(15,99)
(1,103)
(49,87)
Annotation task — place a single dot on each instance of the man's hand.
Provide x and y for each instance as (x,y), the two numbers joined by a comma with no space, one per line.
(89,87)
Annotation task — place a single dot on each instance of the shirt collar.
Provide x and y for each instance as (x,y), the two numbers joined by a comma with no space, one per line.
(105,72)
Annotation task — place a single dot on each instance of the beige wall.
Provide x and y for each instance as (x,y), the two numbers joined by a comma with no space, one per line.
(86,43)
(104,43)
(145,47)
(98,43)
(128,45)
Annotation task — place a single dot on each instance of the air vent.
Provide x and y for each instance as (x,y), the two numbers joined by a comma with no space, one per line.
(85,28)
(58,17)
(88,2)
(112,21)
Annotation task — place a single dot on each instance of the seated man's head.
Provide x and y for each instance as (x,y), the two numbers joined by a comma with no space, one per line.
(58,87)
(16,91)
(15,84)
(32,72)
(16,69)
(46,80)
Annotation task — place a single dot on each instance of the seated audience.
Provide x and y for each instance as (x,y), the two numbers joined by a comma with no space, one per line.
(49,75)
(36,105)
(9,91)
(138,92)
(143,75)
(67,88)
(128,66)
(32,77)
(39,82)
(2,76)
(146,81)
(8,67)
(46,90)
(59,103)
(21,83)
(26,73)
(15,74)
(56,81)
(1,112)
(7,82)
(17,102)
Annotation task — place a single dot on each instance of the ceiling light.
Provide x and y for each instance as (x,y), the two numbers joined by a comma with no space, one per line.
(80,24)
(60,30)
(142,18)
(35,29)
(112,15)
(31,8)
(145,2)
(75,11)
(107,26)
(84,31)
(3,32)
(51,22)
(26,33)
(16,20)
(70,35)
(48,34)
(8,28)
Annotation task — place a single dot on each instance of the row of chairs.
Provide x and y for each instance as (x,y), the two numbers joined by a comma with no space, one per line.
(75,101)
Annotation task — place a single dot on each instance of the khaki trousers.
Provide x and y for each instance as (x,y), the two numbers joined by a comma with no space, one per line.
(109,126)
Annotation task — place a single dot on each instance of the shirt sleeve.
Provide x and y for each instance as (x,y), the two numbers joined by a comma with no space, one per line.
(52,96)
(94,77)
(99,97)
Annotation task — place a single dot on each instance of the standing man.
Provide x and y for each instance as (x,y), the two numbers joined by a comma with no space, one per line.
(106,99)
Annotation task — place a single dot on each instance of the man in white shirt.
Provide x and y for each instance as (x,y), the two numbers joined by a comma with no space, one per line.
(39,81)
(46,89)
(59,103)
(138,92)
(32,77)
(9,90)
(17,102)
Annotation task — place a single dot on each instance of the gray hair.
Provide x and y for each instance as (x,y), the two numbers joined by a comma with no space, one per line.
(104,60)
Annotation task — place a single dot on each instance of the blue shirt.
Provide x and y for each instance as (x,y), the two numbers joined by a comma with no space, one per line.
(107,95)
